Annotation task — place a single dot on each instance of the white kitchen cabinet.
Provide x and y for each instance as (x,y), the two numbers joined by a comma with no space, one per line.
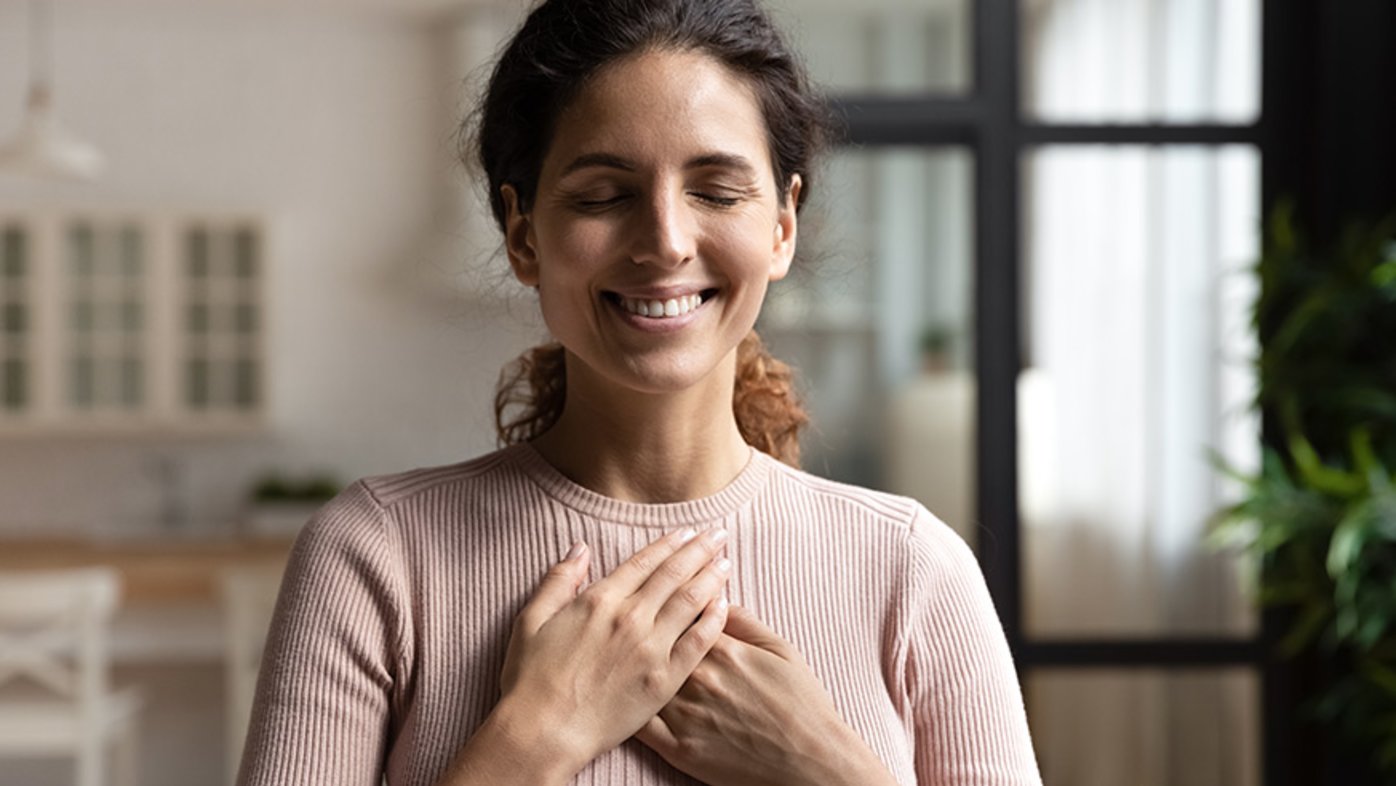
(131,322)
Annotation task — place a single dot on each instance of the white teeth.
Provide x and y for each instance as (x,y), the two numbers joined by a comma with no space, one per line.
(660,309)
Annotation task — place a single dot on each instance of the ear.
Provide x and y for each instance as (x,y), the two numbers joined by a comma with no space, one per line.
(518,238)
(783,252)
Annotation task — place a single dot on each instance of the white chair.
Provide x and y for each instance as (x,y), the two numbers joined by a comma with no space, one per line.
(248,598)
(54,693)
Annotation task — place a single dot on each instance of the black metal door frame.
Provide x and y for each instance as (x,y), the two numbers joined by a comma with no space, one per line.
(989,121)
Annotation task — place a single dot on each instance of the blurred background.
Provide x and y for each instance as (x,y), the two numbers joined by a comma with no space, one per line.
(240,266)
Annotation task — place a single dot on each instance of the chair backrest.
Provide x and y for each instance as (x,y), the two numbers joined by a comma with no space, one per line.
(53,630)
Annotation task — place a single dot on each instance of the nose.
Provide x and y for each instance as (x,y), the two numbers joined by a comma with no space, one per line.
(663,231)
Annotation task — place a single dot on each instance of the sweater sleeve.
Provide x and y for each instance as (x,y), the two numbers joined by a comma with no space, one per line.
(321,716)
(970,724)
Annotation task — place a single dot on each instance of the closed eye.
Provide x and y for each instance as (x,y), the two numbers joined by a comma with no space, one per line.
(714,199)
(600,203)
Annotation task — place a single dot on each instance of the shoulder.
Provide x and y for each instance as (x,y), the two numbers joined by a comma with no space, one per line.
(919,527)
(797,486)
(395,489)
(930,550)
(366,512)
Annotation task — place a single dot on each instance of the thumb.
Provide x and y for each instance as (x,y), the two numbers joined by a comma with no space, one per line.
(745,626)
(558,588)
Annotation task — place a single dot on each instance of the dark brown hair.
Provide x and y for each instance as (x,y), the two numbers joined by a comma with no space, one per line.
(561,45)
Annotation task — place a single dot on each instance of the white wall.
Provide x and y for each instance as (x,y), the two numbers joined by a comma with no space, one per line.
(337,126)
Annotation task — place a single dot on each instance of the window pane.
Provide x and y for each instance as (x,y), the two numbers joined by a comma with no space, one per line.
(245,254)
(82,316)
(132,252)
(876,316)
(84,387)
(246,318)
(15,383)
(1137,360)
(131,382)
(1178,61)
(196,253)
(131,316)
(14,251)
(245,383)
(197,318)
(15,319)
(82,250)
(197,383)
(882,46)
(1145,728)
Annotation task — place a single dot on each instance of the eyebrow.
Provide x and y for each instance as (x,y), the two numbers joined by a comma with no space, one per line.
(612,161)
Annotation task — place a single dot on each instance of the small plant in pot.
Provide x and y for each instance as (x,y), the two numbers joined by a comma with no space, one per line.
(1319,519)
(281,505)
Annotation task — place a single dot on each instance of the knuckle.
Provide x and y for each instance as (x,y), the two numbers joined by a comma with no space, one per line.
(644,562)
(673,571)
(629,623)
(655,683)
(593,601)
(691,597)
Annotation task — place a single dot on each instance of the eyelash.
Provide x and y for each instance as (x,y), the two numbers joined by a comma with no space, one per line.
(601,204)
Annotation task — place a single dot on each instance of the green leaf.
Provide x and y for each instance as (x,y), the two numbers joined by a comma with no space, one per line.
(1347,544)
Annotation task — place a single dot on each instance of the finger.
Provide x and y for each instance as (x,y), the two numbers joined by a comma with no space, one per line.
(695,642)
(632,573)
(657,735)
(557,588)
(689,601)
(745,626)
(678,570)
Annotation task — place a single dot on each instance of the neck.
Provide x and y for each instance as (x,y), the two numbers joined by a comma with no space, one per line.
(647,447)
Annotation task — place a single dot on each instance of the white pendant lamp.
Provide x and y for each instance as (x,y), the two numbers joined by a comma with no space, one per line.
(43,147)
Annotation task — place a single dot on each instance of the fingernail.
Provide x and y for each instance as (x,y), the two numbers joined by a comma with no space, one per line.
(715,535)
(686,535)
(723,565)
(722,603)
(577,549)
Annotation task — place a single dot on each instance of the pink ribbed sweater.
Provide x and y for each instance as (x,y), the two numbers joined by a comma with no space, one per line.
(395,612)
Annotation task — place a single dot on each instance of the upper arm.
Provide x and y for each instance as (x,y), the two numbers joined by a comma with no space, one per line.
(970,723)
(332,657)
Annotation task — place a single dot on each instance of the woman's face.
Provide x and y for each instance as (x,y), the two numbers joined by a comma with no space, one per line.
(656,226)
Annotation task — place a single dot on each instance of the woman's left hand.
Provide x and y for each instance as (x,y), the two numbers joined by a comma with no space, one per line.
(754,713)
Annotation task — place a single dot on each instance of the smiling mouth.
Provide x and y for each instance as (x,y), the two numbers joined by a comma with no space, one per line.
(662,309)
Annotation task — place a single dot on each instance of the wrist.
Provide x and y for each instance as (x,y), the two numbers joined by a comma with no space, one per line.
(514,745)
(846,760)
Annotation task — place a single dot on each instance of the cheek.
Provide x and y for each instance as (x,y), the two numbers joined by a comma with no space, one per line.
(747,245)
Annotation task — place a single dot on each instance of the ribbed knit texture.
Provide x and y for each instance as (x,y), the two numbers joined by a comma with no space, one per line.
(395,612)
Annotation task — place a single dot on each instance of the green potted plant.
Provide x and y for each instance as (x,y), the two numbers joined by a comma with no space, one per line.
(279,504)
(935,343)
(1319,519)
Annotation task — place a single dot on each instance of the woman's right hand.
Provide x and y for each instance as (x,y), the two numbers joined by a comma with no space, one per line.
(595,665)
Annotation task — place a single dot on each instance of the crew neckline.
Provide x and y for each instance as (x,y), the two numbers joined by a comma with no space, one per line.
(658,515)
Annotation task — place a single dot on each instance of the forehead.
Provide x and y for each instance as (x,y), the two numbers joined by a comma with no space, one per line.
(659,107)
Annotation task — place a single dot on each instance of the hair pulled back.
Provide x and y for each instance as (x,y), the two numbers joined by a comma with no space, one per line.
(562,44)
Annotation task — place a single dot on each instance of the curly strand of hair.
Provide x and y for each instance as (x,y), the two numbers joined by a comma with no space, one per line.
(530,394)
(533,388)
(769,411)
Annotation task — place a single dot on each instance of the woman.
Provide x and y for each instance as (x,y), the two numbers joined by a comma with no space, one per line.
(558,610)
